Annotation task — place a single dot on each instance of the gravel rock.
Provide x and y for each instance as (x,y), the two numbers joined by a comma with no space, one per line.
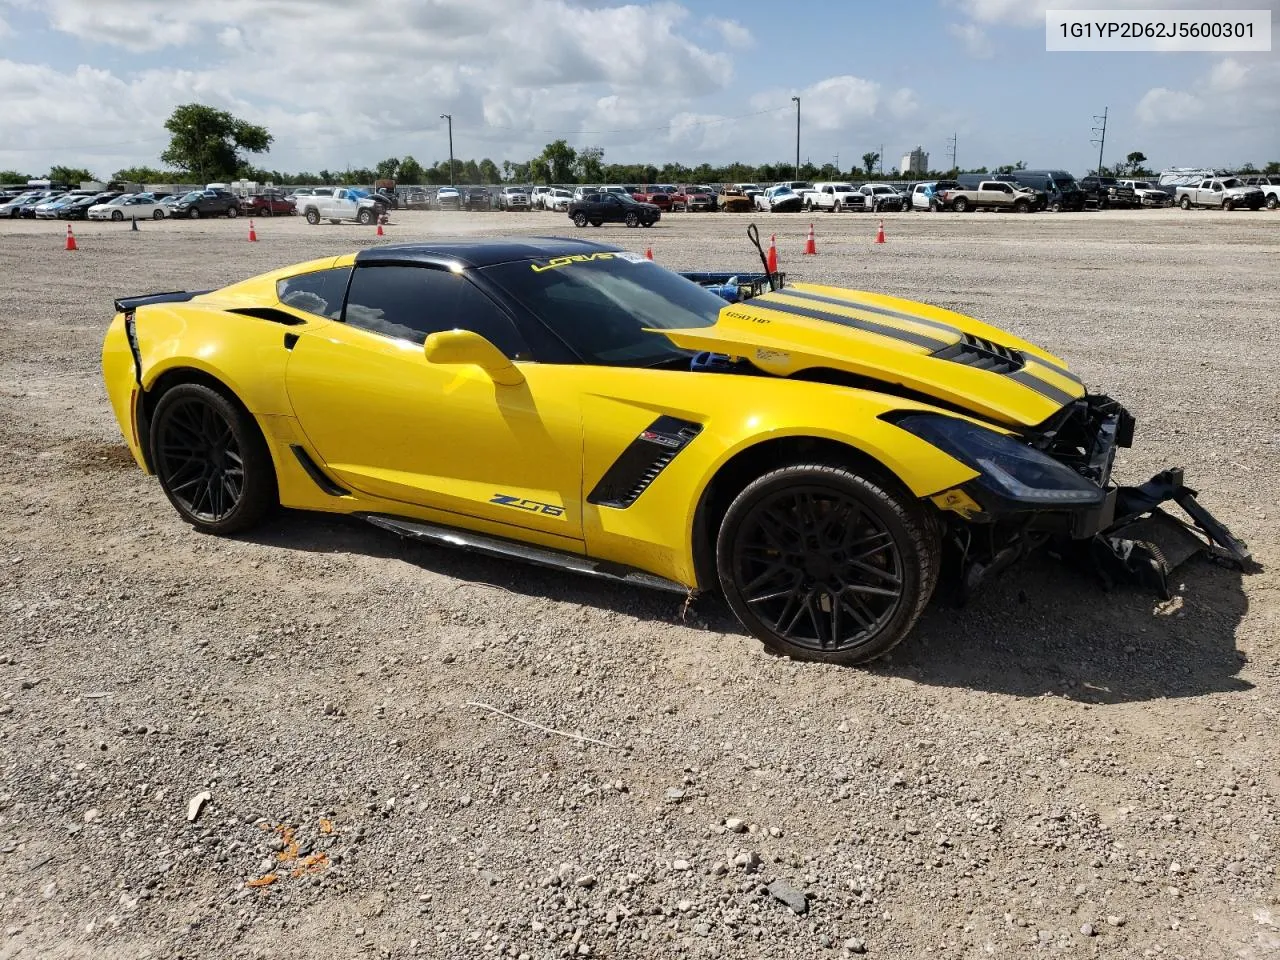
(786,893)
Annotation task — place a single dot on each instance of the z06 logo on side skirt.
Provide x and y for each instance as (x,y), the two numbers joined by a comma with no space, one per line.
(529,506)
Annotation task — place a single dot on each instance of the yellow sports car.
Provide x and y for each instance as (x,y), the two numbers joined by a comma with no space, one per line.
(810,451)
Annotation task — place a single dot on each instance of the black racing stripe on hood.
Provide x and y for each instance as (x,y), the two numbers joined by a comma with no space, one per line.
(899,315)
(869,326)
(871,308)
(1045,389)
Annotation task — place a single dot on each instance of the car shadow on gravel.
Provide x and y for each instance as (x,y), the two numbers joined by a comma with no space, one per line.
(1046,628)
(1042,628)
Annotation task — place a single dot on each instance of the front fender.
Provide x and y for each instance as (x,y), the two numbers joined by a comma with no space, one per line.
(656,532)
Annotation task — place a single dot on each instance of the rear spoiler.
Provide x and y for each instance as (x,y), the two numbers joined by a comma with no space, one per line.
(127,304)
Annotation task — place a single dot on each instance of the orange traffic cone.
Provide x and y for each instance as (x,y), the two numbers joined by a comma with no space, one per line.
(648,253)
(253,234)
(880,233)
(810,248)
(773,253)
(381,220)
(71,239)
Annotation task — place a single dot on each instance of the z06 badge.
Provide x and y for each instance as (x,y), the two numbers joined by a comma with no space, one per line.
(529,506)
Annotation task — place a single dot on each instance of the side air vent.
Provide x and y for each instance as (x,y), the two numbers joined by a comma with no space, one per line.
(642,462)
(269,313)
(976,352)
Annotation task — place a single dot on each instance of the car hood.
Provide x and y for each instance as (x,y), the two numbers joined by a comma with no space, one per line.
(894,345)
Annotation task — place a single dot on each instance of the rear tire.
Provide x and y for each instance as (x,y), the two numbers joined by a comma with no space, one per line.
(194,214)
(960,205)
(580,219)
(820,563)
(1272,201)
(211,460)
(232,212)
(1055,207)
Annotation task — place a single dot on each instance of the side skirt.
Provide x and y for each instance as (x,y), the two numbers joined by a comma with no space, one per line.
(511,549)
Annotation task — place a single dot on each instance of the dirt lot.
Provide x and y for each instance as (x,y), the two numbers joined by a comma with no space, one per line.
(1053,770)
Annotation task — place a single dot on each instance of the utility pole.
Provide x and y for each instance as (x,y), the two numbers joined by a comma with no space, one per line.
(449,117)
(952,141)
(837,164)
(1101,133)
(882,159)
(797,100)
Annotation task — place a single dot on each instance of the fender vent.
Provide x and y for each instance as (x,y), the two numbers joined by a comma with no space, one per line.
(975,352)
(269,313)
(642,462)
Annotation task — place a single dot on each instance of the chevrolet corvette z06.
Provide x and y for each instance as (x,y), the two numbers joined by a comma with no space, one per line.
(810,452)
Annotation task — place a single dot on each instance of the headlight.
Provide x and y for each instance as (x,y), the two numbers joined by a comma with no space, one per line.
(1010,469)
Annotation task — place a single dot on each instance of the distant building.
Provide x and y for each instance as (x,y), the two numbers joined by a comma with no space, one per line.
(917,161)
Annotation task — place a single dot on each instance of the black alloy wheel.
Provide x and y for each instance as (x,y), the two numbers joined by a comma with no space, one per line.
(822,564)
(211,460)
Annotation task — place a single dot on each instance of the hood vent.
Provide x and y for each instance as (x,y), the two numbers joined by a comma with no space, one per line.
(975,352)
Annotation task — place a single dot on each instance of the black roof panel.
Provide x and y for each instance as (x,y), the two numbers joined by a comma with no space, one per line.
(480,252)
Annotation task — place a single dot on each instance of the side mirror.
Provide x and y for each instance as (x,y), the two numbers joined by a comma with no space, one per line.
(455,347)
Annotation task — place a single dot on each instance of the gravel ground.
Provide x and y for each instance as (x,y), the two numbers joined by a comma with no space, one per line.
(1053,770)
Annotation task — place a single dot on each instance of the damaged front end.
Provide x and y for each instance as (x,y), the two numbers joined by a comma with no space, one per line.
(1053,486)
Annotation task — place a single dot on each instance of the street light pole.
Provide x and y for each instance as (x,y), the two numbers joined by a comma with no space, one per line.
(449,117)
(797,100)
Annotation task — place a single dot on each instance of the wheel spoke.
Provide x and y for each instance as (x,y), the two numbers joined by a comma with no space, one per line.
(884,575)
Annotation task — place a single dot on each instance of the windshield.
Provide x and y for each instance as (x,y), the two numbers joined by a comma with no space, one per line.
(600,307)
(193,195)
(626,198)
(1233,182)
(780,191)
(1142,185)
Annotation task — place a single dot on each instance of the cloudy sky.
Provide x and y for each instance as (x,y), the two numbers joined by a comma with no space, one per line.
(90,82)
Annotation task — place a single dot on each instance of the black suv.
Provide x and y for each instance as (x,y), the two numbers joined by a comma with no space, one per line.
(598,208)
(207,203)
(1105,192)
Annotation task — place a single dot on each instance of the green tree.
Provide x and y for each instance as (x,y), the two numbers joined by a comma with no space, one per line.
(540,170)
(559,157)
(387,169)
(489,171)
(1273,166)
(470,172)
(143,175)
(13,176)
(869,161)
(590,164)
(411,171)
(70,174)
(207,142)
(1247,168)
(1134,161)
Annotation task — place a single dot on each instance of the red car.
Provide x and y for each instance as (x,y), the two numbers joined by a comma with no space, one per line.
(268,204)
(655,194)
(693,198)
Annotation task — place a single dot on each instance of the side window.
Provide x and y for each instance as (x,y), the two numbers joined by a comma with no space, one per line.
(411,303)
(320,293)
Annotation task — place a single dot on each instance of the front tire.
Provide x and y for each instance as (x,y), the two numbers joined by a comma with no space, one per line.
(1185,203)
(117,215)
(232,213)
(821,563)
(632,220)
(364,217)
(313,217)
(211,460)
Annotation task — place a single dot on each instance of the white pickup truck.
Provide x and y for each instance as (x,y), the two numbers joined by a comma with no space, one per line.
(834,197)
(343,204)
(1224,192)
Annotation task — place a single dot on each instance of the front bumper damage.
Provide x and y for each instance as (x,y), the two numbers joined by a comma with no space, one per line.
(1127,537)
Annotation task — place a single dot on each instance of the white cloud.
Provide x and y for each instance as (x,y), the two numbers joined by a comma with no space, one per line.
(1228,75)
(1161,105)
(5,29)
(733,33)
(1029,13)
(973,38)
